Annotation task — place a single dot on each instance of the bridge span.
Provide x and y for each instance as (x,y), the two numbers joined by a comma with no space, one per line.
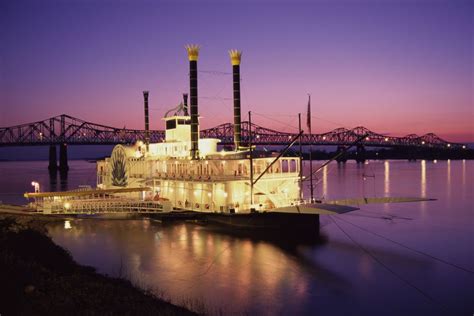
(66,130)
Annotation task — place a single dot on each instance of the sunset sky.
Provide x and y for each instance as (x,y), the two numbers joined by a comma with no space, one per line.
(396,67)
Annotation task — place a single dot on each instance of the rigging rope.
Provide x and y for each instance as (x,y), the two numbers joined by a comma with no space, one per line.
(216,97)
(388,216)
(339,125)
(388,268)
(409,248)
(215,72)
(286,124)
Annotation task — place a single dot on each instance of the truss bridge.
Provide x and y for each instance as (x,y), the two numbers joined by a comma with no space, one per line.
(66,130)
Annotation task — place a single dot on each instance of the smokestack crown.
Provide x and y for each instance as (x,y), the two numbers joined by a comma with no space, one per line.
(235,56)
(193,52)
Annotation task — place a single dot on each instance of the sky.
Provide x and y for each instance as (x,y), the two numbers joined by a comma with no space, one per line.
(395,67)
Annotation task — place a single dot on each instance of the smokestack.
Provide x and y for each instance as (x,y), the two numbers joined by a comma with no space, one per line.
(185,104)
(193,54)
(235,57)
(147,124)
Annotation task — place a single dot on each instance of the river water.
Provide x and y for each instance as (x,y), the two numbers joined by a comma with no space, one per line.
(391,259)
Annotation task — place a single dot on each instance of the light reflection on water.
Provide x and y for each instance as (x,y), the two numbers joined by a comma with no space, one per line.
(242,275)
(423,178)
(386,181)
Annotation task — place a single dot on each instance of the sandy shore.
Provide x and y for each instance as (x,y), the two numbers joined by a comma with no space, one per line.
(38,277)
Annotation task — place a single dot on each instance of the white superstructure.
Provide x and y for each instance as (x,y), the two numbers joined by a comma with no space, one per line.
(218,181)
(191,173)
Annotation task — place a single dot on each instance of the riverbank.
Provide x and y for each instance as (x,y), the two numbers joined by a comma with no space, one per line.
(38,277)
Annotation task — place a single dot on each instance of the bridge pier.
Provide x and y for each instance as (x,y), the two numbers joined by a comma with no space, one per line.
(63,165)
(53,162)
(343,157)
(360,154)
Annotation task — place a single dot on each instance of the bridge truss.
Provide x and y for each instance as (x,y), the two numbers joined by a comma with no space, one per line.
(67,129)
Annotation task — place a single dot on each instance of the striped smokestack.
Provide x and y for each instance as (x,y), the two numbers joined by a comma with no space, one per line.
(235,57)
(185,104)
(147,124)
(193,54)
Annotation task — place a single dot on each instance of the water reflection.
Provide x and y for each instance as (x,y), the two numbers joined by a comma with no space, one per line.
(63,180)
(423,178)
(67,224)
(448,179)
(236,274)
(259,276)
(325,181)
(386,182)
(193,261)
(463,173)
(53,180)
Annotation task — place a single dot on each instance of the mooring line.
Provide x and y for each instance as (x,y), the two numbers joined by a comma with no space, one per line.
(409,248)
(388,268)
(394,216)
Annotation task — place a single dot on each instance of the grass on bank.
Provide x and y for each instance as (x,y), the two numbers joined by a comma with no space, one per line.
(38,277)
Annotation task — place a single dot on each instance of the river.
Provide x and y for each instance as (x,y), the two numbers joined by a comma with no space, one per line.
(391,259)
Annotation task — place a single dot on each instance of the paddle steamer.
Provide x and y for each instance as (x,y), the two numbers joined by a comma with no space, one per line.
(243,186)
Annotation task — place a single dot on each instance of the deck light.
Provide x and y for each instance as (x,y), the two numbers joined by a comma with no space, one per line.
(36,186)
(386,139)
(423,142)
(449,145)
(67,205)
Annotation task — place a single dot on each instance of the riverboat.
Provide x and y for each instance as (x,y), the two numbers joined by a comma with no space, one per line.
(242,187)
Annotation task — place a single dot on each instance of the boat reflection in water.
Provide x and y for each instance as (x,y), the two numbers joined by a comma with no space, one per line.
(186,259)
(227,271)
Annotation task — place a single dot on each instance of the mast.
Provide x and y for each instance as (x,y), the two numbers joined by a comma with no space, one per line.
(301,159)
(251,159)
(310,149)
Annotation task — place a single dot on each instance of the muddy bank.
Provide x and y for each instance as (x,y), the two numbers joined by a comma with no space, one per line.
(37,277)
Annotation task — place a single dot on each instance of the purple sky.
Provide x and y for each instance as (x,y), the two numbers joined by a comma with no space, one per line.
(396,67)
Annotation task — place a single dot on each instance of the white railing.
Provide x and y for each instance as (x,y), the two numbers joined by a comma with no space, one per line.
(100,206)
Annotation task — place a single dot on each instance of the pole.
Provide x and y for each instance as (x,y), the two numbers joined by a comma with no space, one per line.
(310,151)
(301,159)
(251,159)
